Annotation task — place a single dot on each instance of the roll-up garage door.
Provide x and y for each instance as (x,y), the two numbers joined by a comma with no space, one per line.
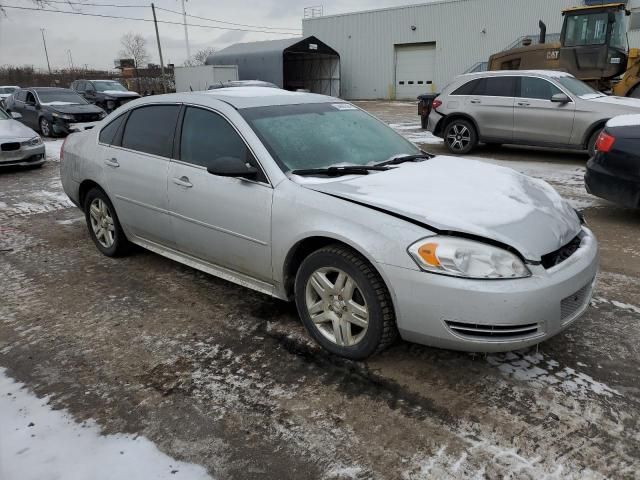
(415,65)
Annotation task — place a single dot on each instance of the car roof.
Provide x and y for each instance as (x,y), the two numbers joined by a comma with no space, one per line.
(244,97)
(498,73)
(49,89)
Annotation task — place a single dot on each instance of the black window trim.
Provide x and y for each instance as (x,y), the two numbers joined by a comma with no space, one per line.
(177,143)
(124,127)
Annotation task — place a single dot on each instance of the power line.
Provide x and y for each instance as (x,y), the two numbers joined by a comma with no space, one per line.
(221,21)
(91,4)
(142,19)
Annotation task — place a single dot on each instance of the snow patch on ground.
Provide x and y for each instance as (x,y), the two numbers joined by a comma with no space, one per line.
(414,133)
(52,149)
(39,443)
(543,371)
(624,306)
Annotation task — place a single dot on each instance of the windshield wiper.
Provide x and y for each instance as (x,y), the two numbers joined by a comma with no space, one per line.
(338,171)
(405,158)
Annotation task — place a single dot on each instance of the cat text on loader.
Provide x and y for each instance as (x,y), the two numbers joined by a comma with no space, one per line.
(593,47)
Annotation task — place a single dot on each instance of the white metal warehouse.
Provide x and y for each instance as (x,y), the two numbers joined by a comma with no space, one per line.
(402,52)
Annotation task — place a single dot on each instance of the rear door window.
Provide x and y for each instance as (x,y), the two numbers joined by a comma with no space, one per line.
(538,88)
(151,129)
(500,86)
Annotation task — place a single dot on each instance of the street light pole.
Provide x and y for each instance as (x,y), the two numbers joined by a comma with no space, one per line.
(155,22)
(46,54)
(70,58)
(186,32)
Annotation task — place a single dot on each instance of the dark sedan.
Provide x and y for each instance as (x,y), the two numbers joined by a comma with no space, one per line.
(107,94)
(613,173)
(54,111)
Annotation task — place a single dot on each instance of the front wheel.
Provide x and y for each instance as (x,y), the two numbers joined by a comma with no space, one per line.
(460,136)
(344,303)
(104,227)
(46,129)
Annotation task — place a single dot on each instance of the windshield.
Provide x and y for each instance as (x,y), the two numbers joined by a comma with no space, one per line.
(323,135)
(4,115)
(7,90)
(103,86)
(578,87)
(62,96)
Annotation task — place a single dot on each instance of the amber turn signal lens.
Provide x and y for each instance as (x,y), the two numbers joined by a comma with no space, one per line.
(428,253)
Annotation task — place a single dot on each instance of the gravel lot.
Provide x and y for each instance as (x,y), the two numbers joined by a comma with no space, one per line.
(225,378)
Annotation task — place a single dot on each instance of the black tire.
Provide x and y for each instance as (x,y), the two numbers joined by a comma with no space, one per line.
(591,146)
(46,129)
(381,329)
(460,136)
(120,246)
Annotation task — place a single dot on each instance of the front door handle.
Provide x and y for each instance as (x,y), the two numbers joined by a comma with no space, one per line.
(524,104)
(475,100)
(183,182)
(112,162)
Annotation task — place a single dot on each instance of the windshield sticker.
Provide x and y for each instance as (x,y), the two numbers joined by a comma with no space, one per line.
(343,106)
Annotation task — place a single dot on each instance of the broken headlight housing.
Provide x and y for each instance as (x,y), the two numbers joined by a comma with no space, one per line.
(459,257)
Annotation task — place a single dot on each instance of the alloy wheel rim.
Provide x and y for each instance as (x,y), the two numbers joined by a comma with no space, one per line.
(44,126)
(102,222)
(337,306)
(458,137)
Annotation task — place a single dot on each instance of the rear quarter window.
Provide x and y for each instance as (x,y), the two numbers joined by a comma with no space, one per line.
(109,134)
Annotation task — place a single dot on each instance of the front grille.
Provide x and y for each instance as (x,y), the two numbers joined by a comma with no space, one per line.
(10,146)
(86,117)
(557,257)
(574,303)
(475,330)
(122,101)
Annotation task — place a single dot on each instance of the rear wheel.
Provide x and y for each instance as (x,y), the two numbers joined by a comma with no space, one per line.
(104,227)
(344,303)
(460,136)
(591,146)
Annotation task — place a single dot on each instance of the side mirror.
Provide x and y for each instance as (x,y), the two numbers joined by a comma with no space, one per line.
(16,115)
(232,167)
(560,98)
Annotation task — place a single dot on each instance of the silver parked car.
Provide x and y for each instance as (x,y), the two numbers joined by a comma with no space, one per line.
(19,145)
(308,198)
(537,107)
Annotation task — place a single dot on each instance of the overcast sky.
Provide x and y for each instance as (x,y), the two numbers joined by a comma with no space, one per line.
(95,42)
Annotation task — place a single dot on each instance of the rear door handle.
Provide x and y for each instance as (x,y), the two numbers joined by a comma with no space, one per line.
(475,100)
(112,162)
(183,182)
(524,104)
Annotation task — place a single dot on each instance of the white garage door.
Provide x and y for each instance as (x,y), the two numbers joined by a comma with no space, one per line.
(415,65)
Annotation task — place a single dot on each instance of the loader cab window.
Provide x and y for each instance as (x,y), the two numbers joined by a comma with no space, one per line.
(591,29)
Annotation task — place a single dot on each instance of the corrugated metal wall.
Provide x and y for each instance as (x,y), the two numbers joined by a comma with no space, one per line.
(465,32)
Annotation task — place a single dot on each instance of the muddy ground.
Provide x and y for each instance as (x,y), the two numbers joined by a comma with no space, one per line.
(224,377)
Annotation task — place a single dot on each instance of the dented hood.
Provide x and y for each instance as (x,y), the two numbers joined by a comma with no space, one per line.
(466,196)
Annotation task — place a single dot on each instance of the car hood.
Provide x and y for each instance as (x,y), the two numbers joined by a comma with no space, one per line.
(465,196)
(13,130)
(73,108)
(120,94)
(632,104)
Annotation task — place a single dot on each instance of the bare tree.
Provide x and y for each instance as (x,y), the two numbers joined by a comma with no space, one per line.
(134,46)
(200,57)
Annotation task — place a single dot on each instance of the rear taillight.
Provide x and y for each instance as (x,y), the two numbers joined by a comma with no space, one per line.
(604,142)
(436,103)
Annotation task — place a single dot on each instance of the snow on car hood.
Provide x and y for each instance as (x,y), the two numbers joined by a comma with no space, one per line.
(120,93)
(620,101)
(468,196)
(14,130)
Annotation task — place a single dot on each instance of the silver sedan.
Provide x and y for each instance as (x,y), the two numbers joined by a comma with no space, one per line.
(19,145)
(308,198)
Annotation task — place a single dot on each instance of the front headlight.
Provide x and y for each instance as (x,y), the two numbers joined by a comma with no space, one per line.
(32,142)
(101,115)
(111,104)
(63,116)
(460,257)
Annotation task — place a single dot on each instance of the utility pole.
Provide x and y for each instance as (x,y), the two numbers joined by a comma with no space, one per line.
(70,58)
(45,50)
(186,32)
(155,22)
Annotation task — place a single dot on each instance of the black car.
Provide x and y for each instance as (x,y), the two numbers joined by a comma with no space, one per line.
(613,172)
(107,94)
(53,111)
